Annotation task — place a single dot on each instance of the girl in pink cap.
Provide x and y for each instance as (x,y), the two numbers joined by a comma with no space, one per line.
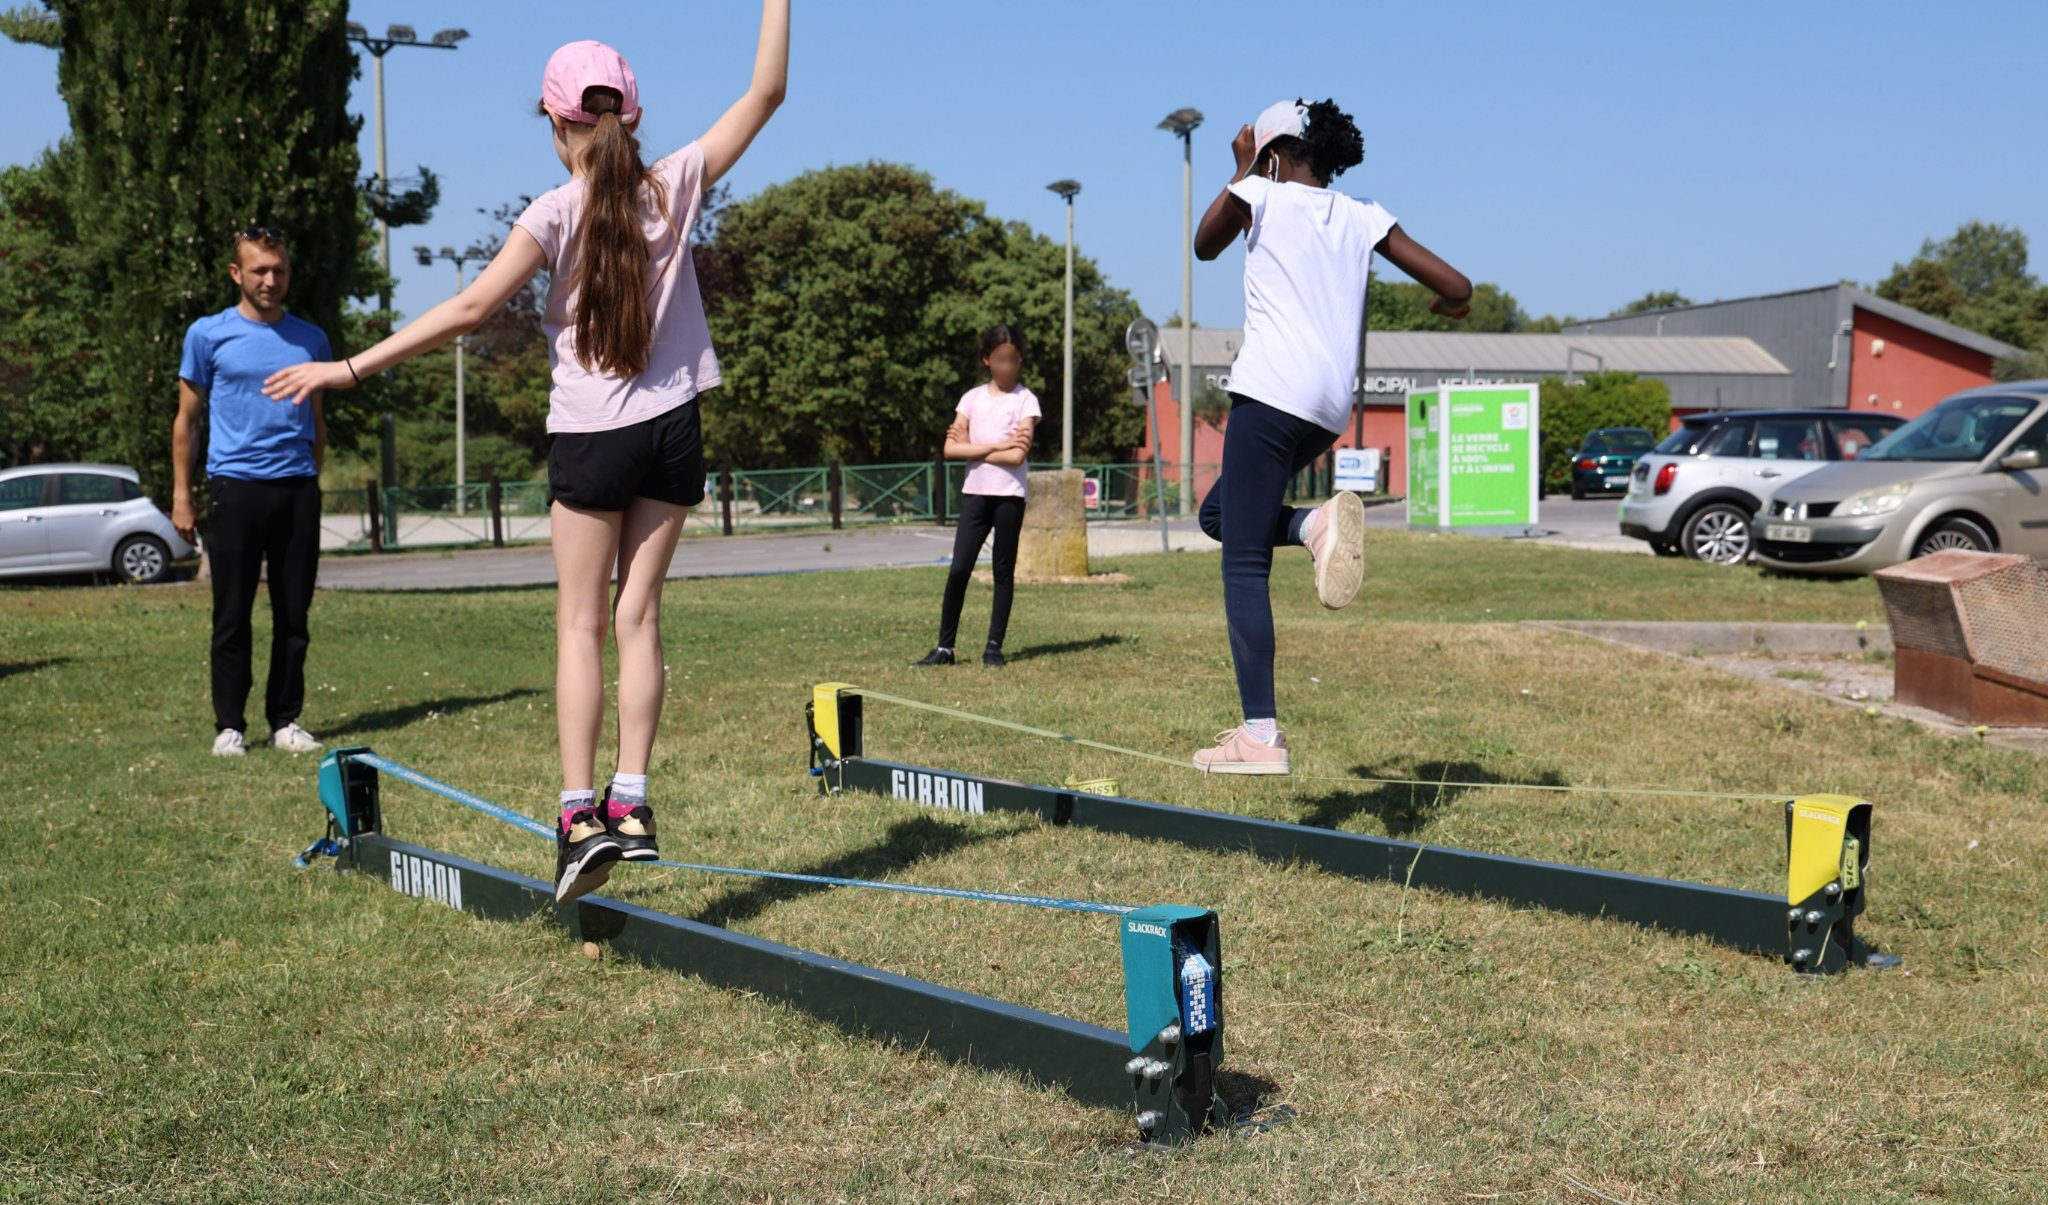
(629,352)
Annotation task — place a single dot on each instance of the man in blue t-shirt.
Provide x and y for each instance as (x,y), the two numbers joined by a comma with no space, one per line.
(263,477)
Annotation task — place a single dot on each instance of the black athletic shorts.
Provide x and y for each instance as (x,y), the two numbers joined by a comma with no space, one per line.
(660,458)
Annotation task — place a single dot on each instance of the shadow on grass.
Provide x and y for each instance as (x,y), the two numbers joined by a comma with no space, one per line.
(906,843)
(399,717)
(1403,809)
(1105,641)
(10,668)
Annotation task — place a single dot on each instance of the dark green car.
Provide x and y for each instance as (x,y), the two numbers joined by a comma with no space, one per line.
(1604,459)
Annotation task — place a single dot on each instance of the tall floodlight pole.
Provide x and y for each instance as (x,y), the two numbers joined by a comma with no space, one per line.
(427,256)
(1183,122)
(1067,189)
(394,36)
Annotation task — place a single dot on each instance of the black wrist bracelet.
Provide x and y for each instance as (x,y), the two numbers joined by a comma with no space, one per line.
(350,363)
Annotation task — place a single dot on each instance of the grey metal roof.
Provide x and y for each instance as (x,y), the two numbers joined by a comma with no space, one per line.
(1666,356)
(1451,351)
(1860,298)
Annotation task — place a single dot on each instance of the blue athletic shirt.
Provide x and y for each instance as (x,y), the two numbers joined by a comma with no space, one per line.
(249,436)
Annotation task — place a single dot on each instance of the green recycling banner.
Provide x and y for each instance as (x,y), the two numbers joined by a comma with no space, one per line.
(1472,458)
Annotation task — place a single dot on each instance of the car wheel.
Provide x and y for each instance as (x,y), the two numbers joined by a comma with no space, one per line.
(1953,535)
(1717,533)
(1663,548)
(142,560)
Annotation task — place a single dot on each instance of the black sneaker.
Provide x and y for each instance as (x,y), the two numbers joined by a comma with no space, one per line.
(631,825)
(584,854)
(935,657)
(992,657)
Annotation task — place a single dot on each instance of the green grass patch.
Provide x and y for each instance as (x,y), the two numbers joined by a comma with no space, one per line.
(190,1019)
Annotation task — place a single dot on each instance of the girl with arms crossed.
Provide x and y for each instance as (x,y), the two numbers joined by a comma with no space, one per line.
(992,428)
(629,351)
(1307,253)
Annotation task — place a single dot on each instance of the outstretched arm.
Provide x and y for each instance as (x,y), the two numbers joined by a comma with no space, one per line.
(729,136)
(509,270)
(1453,291)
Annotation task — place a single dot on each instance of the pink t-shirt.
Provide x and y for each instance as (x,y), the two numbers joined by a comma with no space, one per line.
(680,362)
(993,417)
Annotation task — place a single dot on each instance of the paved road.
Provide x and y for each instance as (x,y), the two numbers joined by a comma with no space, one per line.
(1589,524)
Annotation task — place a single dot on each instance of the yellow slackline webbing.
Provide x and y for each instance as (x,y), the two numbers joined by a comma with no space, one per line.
(1185,764)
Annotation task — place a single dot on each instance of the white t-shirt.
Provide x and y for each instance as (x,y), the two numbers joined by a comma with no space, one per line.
(993,417)
(1305,263)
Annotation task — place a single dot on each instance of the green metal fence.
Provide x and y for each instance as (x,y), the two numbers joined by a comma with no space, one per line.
(401,517)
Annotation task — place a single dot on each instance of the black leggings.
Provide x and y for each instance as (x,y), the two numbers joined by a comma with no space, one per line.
(254,524)
(980,514)
(1247,510)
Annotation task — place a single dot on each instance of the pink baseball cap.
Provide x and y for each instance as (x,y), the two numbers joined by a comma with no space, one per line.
(581,65)
(1287,117)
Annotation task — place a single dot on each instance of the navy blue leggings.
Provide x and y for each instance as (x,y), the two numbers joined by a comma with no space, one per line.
(1246,510)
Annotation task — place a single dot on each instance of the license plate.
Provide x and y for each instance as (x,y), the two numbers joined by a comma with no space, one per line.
(1617,483)
(1782,534)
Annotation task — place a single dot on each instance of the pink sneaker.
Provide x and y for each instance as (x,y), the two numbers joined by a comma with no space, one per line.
(1239,752)
(1338,547)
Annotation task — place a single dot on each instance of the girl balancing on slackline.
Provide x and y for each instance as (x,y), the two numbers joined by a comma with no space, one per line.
(628,351)
(992,427)
(1307,253)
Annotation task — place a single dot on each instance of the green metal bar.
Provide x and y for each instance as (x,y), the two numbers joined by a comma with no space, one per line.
(1745,920)
(1086,1061)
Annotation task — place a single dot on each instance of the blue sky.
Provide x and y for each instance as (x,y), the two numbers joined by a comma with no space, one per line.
(1579,154)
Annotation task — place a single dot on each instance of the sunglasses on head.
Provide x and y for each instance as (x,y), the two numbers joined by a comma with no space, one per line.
(261,234)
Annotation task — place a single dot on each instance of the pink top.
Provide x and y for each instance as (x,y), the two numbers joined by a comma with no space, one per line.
(993,417)
(680,363)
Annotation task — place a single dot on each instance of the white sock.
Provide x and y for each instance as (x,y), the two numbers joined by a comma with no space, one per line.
(1264,731)
(629,786)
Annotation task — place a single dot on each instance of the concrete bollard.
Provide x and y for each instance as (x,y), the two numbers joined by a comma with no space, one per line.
(1054,543)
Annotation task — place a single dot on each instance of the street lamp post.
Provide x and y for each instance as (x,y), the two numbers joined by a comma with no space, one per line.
(427,257)
(1183,123)
(1066,190)
(394,36)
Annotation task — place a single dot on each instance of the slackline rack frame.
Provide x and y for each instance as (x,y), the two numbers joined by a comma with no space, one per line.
(1811,928)
(1163,1071)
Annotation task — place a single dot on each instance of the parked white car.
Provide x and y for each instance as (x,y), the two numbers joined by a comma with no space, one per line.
(1698,492)
(84,518)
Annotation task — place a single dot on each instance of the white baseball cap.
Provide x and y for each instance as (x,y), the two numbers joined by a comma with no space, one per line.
(1288,117)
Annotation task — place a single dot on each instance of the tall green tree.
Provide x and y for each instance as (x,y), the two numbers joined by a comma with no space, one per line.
(51,288)
(847,306)
(192,118)
(1976,278)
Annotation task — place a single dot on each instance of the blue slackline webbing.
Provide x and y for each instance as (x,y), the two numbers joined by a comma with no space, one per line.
(541,829)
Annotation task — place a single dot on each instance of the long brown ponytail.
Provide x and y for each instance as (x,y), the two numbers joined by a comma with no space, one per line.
(614,329)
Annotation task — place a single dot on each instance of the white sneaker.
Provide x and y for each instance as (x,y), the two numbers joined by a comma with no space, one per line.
(1339,550)
(228,743)
(293,739)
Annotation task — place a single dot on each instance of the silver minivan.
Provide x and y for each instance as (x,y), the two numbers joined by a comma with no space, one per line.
(1697,493)
(1967,474)
(84,518)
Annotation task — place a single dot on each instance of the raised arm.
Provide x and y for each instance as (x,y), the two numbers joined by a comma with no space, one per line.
(1227,216)
(509,270)
(1453,291)
(729,136)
